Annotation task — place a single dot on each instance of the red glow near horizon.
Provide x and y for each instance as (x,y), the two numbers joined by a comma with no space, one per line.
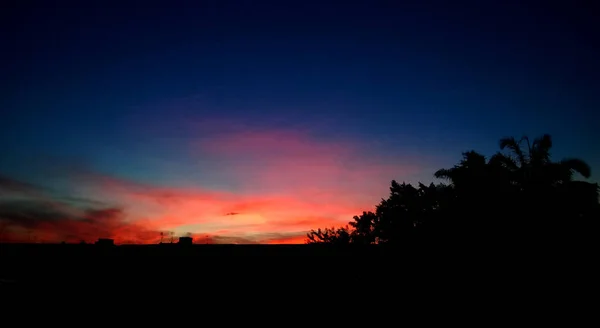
(291,184)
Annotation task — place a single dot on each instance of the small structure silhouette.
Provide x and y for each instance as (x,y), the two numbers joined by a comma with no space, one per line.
(185,241)
(105,242)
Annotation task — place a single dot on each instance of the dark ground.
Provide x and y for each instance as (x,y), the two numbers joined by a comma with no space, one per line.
(179,266)
(305,271)
(294,284)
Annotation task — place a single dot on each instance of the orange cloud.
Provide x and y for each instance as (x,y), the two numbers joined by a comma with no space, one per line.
(286,184)
(39,221)
(301,239)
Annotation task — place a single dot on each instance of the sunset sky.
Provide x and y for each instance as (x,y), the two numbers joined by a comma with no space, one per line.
(256,121)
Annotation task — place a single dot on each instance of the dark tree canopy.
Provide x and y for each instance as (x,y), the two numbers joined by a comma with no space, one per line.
(518,192)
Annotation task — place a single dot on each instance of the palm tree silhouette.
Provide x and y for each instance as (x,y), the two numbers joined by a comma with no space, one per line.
(519,194)
(535,166)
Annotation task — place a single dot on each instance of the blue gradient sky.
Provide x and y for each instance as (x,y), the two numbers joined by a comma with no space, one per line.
(152,92)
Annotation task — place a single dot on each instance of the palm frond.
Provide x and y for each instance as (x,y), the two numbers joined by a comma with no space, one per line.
(503,161)
(544,142)
(577,165)
(443,174)
(541,148)
(515,146)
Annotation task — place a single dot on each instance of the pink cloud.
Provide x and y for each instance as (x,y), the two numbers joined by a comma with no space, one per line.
(289,182)
(293,162)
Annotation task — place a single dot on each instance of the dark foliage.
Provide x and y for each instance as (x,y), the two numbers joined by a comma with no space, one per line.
(517,193)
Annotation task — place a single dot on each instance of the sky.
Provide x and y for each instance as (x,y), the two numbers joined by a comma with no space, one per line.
(256,121)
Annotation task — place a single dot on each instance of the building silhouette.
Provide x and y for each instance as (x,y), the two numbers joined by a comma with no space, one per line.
(105,242)
(185,241)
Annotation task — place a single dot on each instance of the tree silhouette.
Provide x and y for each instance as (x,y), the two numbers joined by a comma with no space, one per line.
(548,197)
(364,228)
(477,187)
(329,236)
(535,167)
(518,192)
(396,219)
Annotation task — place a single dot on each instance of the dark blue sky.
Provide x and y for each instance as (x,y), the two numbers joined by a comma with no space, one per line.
(128,88)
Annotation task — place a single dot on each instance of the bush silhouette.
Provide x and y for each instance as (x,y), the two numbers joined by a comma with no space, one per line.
(519,192)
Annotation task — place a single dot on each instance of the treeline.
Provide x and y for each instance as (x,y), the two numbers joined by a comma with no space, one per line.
(519,192)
